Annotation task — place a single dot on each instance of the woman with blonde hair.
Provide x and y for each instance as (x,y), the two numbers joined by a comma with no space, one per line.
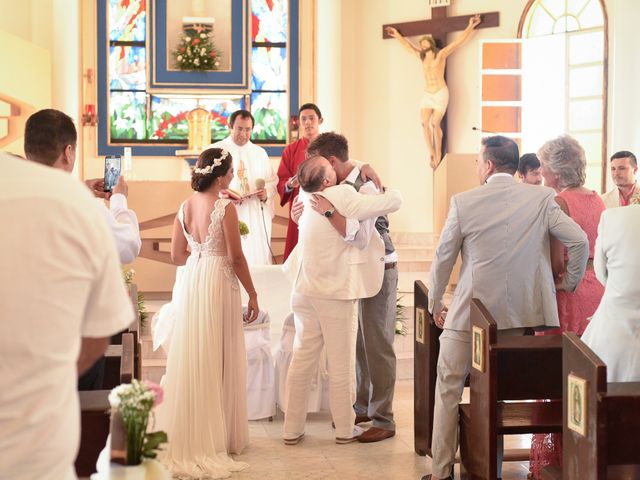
(564,169)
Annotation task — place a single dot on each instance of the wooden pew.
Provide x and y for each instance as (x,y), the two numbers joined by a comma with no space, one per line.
(94,407)
(601,427)
(134,328)
(426,348)
(513,371)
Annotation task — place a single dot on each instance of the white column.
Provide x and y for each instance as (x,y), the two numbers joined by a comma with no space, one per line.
(329,48)
(66,66)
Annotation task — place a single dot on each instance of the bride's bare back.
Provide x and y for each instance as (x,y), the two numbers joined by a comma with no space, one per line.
(197,215)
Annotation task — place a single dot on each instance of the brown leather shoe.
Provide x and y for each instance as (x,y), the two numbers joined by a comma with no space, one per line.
(375,434)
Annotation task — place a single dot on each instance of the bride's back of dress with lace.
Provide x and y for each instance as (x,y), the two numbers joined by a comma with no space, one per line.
(204,411)
(214,244)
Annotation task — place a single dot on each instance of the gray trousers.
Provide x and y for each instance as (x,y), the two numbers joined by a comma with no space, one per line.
(375,357)
(454,364)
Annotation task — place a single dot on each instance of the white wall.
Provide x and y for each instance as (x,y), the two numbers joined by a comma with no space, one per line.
(624,77)
(55,26)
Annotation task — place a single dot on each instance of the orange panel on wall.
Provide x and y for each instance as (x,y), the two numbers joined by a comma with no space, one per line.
(501,88)
(501,119)
(501,55)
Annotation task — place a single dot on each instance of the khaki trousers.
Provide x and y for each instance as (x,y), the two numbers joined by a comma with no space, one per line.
(334,324)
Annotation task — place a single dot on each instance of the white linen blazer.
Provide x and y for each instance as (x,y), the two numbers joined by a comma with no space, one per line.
(323,265)
(614,331)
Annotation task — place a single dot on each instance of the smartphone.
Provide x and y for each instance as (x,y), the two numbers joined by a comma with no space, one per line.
(112,169)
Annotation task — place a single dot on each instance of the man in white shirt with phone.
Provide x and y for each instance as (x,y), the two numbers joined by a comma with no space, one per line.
(62,298)
(122,222)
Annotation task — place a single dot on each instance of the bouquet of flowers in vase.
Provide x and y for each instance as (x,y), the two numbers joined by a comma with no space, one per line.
(196,52)
(133,403)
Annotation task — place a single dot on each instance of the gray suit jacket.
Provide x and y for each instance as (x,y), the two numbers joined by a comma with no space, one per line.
(502,229)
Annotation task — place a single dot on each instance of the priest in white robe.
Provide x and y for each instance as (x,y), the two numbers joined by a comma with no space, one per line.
(253,173)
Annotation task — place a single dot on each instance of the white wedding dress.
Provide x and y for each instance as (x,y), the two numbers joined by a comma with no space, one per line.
(205,408)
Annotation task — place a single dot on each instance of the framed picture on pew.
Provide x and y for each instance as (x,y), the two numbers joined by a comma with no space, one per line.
(477,349)
(577,408)
(421,316)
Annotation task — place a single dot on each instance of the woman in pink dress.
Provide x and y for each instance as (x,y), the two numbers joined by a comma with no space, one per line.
(563,168)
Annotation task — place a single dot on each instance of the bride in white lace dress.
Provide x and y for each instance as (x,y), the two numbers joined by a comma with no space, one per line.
(205,408)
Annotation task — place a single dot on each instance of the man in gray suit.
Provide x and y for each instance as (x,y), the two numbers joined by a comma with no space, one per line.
(502,230)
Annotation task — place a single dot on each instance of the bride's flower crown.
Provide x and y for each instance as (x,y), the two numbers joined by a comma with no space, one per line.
(216,163)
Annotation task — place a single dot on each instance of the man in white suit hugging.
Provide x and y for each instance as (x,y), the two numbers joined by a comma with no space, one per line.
(329,276)
(502,230)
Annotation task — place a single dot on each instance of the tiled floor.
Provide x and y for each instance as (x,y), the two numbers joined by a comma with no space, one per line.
(318,457)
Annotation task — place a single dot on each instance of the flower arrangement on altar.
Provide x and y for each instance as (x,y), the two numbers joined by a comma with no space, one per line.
(134,402)
(196,52)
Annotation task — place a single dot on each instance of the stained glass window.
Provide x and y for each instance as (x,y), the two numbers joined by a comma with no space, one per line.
(138,116)
(270,72)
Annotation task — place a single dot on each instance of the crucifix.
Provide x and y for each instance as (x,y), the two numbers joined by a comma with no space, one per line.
(433,53)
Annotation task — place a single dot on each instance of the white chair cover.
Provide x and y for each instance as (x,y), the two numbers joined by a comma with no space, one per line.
(319,393)
(261,384)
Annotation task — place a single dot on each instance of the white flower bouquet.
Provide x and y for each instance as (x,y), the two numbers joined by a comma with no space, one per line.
(134,402)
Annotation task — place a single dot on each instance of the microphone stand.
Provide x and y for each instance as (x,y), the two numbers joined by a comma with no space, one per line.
(266,234)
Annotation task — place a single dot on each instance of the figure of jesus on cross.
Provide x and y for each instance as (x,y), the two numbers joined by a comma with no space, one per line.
(436,94)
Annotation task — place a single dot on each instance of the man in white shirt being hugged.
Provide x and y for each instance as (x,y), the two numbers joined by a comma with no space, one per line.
(253,175)
(329,276)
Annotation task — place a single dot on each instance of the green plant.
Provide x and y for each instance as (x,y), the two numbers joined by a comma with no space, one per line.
(401,319)
(142,309)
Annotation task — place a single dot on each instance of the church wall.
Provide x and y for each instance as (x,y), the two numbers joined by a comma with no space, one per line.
(624,74)
(54,27)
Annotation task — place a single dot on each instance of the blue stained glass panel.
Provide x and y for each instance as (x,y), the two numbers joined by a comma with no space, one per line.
(127,114)
(269,20)
(127,68)
(269,68)
(169,116)
(271,112)
(127,20)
